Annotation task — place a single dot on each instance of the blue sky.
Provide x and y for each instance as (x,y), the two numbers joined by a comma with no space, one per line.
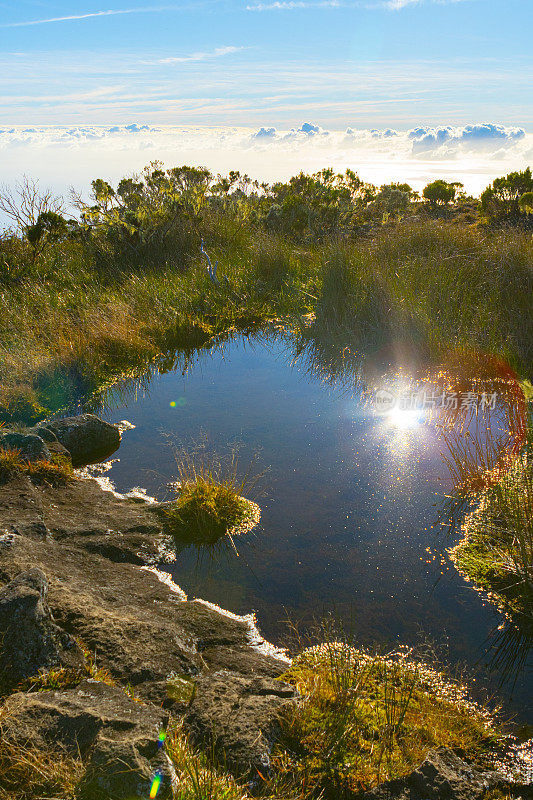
(339,63)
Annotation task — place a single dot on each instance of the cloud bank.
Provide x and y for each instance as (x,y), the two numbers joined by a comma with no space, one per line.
(62,156)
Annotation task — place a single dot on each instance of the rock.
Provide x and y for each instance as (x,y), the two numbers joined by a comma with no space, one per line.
(87,438)
(237,715)
(51,441)
(31,447)
(116,738)
(443,775)
(29,638)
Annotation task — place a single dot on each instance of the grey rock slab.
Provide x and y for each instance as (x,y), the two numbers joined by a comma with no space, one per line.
(30,640)
(114,736)
(238,717)
(444,775)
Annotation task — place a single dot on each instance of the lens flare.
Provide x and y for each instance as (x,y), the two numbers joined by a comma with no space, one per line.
(156,785)
(405,418)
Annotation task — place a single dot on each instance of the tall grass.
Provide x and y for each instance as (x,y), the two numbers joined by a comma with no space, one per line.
(69,329)
(365,718)
(497,549)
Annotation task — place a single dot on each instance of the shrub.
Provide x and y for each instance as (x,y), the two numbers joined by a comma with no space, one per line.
(501,200)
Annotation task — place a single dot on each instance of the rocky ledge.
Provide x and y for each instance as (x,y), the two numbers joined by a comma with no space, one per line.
(79,591)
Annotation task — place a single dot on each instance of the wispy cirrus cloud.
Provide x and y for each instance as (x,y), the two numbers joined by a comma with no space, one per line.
(89,15)
(389,5)
(218,52)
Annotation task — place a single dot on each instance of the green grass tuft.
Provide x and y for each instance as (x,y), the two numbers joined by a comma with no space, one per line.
(365,718)
(496,552)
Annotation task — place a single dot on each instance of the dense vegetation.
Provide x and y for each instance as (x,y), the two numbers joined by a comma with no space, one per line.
(133,276)
(172,259)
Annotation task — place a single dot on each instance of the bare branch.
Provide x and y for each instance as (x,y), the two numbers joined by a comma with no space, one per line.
(23,202)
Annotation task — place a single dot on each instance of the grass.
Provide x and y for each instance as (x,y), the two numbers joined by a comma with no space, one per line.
(30,774)
(56,471)
(74,329)
(496,552)
(368,718)
(210,507)
(198,778)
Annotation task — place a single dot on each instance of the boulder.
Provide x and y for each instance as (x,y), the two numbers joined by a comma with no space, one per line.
(238,716)
(87,438)
(31,446)
(116,737)
(50,440)
(29,638)
(444,776)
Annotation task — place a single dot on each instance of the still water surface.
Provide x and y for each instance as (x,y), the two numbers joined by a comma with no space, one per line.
(351,519)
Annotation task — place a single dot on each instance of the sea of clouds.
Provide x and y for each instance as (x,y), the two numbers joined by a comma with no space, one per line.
(71,156)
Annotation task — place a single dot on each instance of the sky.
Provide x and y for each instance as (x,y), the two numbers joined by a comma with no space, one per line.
(412,86)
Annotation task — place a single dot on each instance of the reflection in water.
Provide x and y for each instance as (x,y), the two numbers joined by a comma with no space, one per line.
(351,524)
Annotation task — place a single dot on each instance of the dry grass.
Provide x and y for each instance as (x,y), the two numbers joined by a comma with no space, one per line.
(29,774)
(56,471)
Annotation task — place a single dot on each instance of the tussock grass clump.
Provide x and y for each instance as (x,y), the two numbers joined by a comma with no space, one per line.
(367,718)
(11,464)
(497,550)
(28,774)
(198,777)
(56,471)
(210,505)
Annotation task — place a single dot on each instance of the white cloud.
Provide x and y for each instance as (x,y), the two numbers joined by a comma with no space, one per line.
(200,56)
(265,133)
(389,5)
(486,136)
(61,156)
(307,130)
(90,15)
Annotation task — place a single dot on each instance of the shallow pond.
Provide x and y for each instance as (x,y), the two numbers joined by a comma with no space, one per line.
(352,514)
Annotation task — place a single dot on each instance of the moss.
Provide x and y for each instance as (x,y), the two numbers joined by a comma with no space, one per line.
(364,719)
(180,689)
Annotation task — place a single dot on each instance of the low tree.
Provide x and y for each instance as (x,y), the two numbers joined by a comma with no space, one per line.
(526,203)
(441,193)
(501,202)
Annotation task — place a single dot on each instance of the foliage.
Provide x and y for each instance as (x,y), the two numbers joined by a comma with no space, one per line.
(497,549)
(441,193)
(129,282)
(367,718)
(501,201)
(526,203)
